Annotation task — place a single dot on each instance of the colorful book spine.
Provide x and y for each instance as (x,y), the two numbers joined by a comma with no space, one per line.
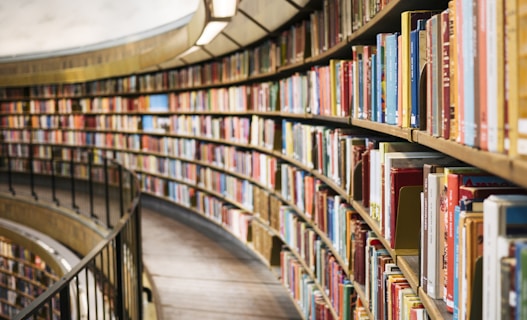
(391,78)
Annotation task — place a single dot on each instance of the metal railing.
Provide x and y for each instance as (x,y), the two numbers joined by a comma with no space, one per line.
(107,283)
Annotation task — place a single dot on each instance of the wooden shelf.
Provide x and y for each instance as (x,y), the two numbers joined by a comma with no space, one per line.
(330,119)
(365,214)
(320,233)
(339,51)
(362,295)
(409,265)
(498,164)
(403,133)
(436,308)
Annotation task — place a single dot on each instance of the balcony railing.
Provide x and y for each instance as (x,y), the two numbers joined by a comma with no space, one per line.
(106,284)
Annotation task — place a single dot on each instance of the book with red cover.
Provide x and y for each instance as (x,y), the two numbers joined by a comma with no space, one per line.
(366,179)
(360,255)
(401,177)
(453,183)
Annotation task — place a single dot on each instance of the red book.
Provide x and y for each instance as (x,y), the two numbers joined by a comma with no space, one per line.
(396,287)
(401,177)
(344,88)
(366,178)
(453,183)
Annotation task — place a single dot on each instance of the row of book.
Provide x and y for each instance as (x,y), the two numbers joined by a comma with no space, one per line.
(468,96)
(23,277)
(63,169)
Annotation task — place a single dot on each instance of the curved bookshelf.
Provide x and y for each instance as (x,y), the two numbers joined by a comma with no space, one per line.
(386,20)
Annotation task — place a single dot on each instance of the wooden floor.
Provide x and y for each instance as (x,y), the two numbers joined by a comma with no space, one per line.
(201,273)
(198,270)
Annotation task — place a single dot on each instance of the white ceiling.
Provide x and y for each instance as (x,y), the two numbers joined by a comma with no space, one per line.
(46,27)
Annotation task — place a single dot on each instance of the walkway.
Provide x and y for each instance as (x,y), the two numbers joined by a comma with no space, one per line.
(202,273)
(198,270)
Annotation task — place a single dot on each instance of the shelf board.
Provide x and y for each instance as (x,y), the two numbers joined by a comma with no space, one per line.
(291,67)
(339,50)
(436,309)
(317,283)
(365,214)
(502,165)
(362,295)
(332,119)
(409,265)
(323,236)
(262,76)
(404,133)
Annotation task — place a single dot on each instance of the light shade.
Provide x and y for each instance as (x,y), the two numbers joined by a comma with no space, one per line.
(188,51)
(210,31)
(223,8)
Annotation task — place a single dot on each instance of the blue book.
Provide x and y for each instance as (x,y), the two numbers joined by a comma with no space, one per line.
(147,122)
(380,61)
(360,64)
(158,102)
(330,205)
(457,213)
(468,73)
(391,78)
(415,72)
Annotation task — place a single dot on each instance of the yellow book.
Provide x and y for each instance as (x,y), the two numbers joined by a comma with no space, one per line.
(511,50)
(333,87)
(453,78)
(522,81)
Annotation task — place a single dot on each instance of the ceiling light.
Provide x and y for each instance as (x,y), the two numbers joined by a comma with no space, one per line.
(210,32)
(223,8)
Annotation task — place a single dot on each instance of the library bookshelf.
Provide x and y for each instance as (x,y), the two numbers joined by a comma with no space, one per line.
(284,143)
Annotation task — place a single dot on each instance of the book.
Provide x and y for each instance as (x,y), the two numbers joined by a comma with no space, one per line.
(398,160)
(391,78)
(508,218)
(381,77)
(417,62)
(434,256)
(409,22)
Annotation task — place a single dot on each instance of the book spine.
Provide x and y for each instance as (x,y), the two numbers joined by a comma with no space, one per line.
(445,107)
(391,79)
(405,83)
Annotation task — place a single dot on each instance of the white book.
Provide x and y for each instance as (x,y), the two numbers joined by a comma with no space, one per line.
(374,183)
(400,160)
(424,228)
(435,184)
(500,212)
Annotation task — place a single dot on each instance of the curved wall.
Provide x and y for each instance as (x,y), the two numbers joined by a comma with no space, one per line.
(67,227)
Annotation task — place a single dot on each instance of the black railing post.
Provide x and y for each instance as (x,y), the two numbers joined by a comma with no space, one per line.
(31,172)
(138,256)
(119,265)
(107,193)
(132,184)
(53,191)
(9,177)
(72,179)
(121,203)
(90,182)
(65,308)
